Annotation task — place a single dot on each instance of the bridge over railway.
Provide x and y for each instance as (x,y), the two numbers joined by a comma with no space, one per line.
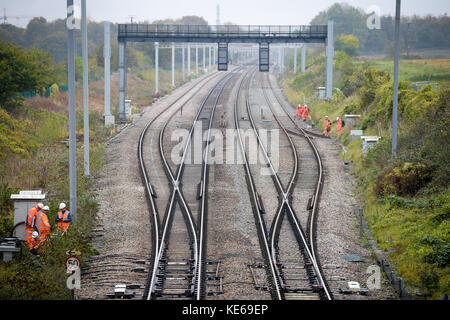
(223,35)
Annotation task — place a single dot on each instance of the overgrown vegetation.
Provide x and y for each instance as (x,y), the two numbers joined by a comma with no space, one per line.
(34,156)
(406,200)
(419,32)
(33,135)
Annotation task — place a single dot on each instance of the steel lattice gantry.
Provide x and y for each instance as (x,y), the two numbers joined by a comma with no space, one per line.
(223,35)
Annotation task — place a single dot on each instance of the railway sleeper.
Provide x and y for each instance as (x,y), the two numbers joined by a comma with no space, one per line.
(300,296)
(288,289)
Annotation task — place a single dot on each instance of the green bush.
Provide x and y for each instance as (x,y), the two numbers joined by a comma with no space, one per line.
(439,253)
(404,180)
(406,199)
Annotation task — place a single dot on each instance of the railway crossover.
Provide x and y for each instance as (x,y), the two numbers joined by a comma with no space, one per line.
(179,266)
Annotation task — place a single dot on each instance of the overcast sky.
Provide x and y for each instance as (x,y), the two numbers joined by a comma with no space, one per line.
(254,12)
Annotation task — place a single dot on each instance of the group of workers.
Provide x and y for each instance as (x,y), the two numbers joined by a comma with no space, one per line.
(302,113)
(38,227)
(328,123)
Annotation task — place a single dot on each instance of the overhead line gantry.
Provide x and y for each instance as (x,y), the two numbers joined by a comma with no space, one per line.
(223,35)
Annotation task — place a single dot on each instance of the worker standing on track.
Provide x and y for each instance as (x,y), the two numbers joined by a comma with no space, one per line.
(43,225)
(326,130)
(31,222)
(299,111)
(305,112)
(63,218)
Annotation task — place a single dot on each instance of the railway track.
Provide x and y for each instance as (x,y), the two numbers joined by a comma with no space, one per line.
(271,271)
(280,272)
(178,265)
(313,204)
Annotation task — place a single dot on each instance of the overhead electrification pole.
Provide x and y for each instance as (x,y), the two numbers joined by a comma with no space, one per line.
(395,94)
(196,59)
(302,67)
(182,64)
(204,65)
(189,59)
(209,52)
(156,66)
(85,87)
(109,118)
(329,62)
(295,60)
(122,80)
(72,23)
(173,64)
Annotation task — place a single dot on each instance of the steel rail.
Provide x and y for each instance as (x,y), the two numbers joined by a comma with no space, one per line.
(260,221)
(285,202)
(150,194)
(311,226)
(204,196)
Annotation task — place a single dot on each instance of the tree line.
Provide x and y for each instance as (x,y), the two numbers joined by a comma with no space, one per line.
(430,32)
(35,57)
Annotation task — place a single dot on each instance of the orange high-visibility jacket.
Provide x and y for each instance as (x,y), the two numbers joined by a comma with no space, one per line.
(63,219)
(327,126)
(305,112)
(30,223)
(43,225)
(339,123)
(30,220)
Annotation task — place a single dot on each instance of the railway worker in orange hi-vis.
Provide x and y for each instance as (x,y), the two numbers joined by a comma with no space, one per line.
(299,111)
(305,112)
(43,224)
(326,130)
(63,218)
(34,244)
(31,221)
(339,125)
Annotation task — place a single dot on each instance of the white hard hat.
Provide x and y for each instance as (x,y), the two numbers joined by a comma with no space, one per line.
(46,208)
(305,105)
(326,116)
(337,118)
(34,235)
(40,205)
(62,205)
